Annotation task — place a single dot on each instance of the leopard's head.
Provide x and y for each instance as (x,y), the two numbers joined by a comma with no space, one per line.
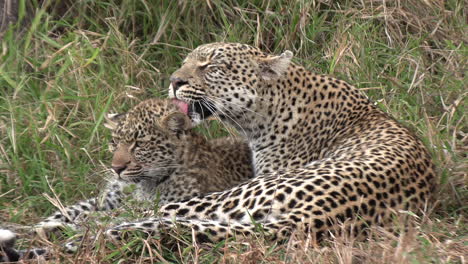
(225,80)
(145,140)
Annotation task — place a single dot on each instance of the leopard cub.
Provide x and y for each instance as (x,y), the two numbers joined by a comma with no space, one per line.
(154,148)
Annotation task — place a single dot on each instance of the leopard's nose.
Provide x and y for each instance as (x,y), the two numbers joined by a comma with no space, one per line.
(177,83)
(119,169)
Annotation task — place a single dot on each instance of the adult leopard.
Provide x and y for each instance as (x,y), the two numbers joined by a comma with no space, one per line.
(155,148)
(326,158)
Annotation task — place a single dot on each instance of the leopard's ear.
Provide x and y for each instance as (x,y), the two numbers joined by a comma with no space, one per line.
(176,122)
(273,67)
(112,120)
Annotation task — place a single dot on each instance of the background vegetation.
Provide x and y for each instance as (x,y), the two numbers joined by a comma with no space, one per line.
(64,67)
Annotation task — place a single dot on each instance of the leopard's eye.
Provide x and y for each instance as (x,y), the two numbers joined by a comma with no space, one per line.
(203,66)
(218,66)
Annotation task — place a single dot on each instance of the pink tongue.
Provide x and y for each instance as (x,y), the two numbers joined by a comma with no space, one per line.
(183,106)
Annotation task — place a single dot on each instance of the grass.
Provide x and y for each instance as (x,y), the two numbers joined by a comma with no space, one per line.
(73,61)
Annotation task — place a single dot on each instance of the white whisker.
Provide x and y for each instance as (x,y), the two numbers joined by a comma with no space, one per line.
(237,106)
(228,116)
(218,118)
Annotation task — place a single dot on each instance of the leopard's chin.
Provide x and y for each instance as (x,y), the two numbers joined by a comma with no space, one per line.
(201,109)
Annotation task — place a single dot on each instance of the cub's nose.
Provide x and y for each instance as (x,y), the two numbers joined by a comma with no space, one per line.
(177,83)
(119,169)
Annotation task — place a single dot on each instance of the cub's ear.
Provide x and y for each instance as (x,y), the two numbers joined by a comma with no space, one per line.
(273,67)
(112,120)
(176,122)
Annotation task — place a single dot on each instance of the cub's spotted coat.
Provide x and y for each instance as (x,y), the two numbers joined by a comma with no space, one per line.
(156,149)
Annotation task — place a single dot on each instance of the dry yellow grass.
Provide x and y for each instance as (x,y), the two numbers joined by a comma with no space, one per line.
(64,71)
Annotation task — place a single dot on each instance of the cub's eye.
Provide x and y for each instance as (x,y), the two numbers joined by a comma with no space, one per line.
(144,139)
(132,146)
(112,144)
(111,148)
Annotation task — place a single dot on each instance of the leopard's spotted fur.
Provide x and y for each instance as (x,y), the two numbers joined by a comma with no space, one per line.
(324,154)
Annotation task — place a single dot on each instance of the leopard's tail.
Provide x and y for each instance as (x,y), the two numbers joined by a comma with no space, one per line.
(8,253)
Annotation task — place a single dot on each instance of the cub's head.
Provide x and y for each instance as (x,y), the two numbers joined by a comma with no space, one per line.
(223,79)
(144,140)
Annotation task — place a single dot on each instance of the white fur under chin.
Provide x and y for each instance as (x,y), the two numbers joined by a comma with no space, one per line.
(6,236)
(170,93)
(196,119)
